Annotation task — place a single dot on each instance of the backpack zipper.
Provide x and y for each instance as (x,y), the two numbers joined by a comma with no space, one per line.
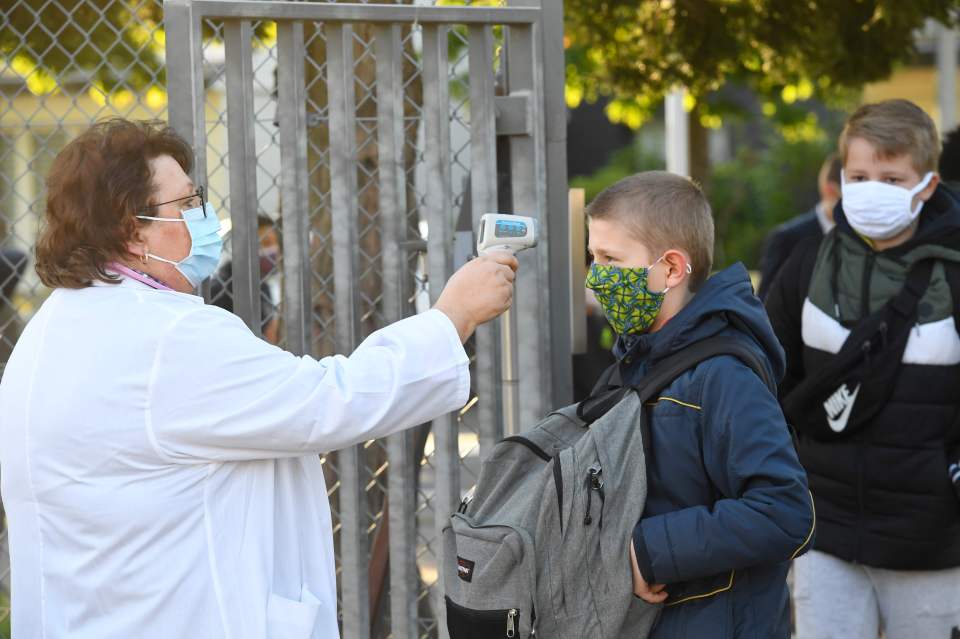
(511,627)
(465,502)
(865,286)
(594,484)
(558,483)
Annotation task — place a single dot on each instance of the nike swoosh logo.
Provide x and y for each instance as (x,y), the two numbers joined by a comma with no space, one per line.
(839,423)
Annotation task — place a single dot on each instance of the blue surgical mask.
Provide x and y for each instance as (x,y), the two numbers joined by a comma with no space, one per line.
(205,243)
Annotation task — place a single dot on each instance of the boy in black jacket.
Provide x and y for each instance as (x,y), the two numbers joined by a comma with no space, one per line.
(887,553)
(727,503)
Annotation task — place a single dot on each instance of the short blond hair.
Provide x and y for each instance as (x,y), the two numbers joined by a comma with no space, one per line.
(893,128)
(663,211)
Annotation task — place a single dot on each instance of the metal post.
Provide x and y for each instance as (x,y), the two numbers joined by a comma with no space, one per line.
(549,64)
(186,112)
(509,373)
(184,55)
(483,195)
(947,77)
(400,447)
(531,347)
(438,204)
(578,271)
(678,133)
(366,13)
(238,36)
(344,204)
(297,305)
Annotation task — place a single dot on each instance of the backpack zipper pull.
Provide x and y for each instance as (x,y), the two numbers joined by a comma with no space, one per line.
(465,502)
(511,628)
(588,518)
(594,483)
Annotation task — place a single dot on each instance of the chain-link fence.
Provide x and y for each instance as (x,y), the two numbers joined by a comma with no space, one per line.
(65,65)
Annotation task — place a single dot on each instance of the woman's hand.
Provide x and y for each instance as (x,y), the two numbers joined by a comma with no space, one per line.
(479,291)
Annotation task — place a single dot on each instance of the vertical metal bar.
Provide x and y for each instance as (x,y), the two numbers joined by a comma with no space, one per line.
(578,272)
(528,186)
(947,77)
(344,204)
(483,195)
(678,133)
(293,175)
(185,90)
(184,55)
(400,447)
(551,68)
(242,155)
(438,205)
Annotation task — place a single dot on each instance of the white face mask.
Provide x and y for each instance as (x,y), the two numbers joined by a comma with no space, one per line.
(878,210)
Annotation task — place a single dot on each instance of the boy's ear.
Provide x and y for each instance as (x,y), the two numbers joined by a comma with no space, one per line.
(830,191)
(926,193)
(678,267)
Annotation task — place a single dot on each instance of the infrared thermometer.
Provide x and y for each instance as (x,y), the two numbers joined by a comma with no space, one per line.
(499,232)
(513,233)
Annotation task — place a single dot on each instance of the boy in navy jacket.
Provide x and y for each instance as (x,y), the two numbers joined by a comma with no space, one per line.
(727,505)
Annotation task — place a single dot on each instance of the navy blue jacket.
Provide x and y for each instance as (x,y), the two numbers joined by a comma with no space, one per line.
(727,504)
(780,243)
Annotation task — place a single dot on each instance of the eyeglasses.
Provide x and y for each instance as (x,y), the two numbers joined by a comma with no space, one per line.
(195,200)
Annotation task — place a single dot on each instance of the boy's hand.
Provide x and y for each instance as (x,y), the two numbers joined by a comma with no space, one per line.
(651,594)
(481,290)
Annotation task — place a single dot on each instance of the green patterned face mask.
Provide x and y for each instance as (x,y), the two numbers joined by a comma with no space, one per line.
(629,304)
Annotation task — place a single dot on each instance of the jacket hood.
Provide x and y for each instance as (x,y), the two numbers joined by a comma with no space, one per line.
(938,234)
(724,304)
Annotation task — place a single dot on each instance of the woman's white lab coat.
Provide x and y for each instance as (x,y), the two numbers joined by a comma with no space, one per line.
(160,464)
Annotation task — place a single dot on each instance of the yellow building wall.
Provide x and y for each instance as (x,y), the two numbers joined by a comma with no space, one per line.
(918,84)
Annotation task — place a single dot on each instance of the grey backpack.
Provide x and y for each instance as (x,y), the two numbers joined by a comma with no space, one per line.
(542,548)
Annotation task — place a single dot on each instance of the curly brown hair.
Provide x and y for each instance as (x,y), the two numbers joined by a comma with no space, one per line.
(96,186)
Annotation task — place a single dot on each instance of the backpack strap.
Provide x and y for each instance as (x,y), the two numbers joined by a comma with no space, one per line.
(609,379)
(667,370)
(952,271)
(869,361)
(661,375)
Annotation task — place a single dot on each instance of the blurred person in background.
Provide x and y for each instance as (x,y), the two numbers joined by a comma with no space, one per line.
(221,285)
(949,166)
(816,222)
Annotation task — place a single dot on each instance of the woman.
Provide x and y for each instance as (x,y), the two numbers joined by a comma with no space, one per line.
(160,462)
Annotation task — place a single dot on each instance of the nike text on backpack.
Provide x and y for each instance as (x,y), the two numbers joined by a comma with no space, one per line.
(842,398)
(542,548)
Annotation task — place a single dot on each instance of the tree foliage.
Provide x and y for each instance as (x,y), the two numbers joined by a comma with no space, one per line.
(117,42)
(638,50)
(114,41)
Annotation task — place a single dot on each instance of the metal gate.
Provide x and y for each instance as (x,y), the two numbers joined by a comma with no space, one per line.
(397,127)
